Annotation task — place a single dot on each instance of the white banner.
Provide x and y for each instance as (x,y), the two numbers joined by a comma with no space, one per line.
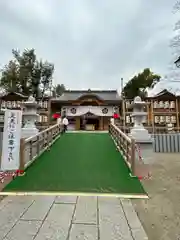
(11,140)
(96,110)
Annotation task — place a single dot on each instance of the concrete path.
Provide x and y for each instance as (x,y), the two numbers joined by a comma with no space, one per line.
(68,218)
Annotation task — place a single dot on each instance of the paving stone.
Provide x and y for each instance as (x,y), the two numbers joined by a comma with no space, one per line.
(86,210)
(66,199)
(109,200)
(4,202)
(10,214)
(139,234)
(24,230)
(57,223)
(39,208)
(133,220)
(83,232)
(16,200)
(112,223)
(131,214)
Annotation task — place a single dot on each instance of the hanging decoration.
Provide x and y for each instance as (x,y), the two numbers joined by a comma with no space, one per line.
(82,110)
(145,171)
(173,119)
(127,119)
(166,104)
(56,116)
(116,115)
(172,105)
(155,104)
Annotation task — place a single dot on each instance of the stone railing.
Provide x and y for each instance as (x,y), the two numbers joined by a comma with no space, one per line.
(125,145)
(33,147)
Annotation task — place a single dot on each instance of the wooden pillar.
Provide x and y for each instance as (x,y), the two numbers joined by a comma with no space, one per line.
(49,111)
(152,114)
(77,123)
(148,114)
(124,113)
(22,154)
(177,114)
(106,123)
(133,157)
(100,123)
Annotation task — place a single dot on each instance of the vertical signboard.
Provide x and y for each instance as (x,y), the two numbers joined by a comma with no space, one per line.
(11,140)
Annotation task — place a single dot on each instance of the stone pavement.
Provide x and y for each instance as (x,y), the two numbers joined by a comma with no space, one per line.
(68,218)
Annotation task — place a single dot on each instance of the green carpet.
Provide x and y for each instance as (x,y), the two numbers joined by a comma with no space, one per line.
(79,162)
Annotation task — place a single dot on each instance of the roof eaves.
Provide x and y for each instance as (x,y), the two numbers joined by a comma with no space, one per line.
(163,92)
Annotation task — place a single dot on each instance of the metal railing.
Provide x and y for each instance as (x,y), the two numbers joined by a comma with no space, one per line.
(1,141)
(167,143)
(151,130)
(33,147)
(125,145)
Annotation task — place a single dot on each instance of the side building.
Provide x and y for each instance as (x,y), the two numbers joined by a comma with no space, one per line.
(163,109)
(13,100)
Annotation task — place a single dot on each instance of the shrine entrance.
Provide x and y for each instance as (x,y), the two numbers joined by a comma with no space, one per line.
(89,117)
(90,122)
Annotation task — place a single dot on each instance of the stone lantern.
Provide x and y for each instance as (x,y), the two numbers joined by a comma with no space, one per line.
(143,139)
(138,132)
(29,118)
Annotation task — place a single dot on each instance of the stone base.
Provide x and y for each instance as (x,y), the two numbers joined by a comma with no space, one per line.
(146,152)
(29,132)
(140,135)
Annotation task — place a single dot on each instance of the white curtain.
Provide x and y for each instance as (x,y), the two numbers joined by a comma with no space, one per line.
(81,110)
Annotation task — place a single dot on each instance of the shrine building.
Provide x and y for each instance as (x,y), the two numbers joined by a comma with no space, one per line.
(95,107)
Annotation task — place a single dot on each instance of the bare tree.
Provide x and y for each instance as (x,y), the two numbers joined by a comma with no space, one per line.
(176,7)
(173,75)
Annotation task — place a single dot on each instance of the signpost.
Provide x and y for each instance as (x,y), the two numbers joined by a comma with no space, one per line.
(11,140)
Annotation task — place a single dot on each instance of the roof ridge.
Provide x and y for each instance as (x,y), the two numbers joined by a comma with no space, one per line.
(89,91)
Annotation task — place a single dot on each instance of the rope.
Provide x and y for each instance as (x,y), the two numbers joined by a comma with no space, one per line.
(4,175)
(138,149)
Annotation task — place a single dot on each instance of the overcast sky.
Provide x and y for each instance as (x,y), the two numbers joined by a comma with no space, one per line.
(93,43)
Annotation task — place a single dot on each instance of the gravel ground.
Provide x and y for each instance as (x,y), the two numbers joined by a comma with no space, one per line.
(160,215)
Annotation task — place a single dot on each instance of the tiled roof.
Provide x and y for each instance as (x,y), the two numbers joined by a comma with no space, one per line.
(7,93)
(165,91)
(109,95)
